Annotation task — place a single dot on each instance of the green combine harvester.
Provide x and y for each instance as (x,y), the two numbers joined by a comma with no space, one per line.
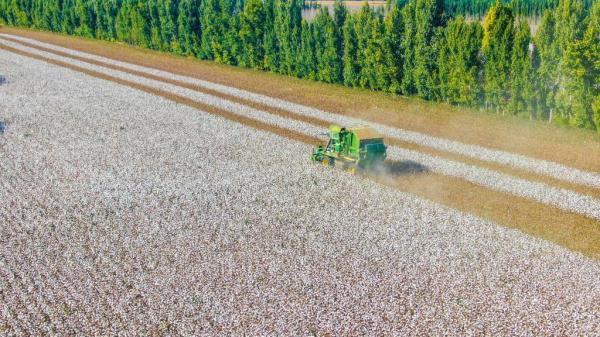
(356,148)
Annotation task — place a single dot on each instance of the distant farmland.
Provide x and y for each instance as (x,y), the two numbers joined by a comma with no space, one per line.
(353,6)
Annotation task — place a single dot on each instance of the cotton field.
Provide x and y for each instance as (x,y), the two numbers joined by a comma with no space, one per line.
(123,213)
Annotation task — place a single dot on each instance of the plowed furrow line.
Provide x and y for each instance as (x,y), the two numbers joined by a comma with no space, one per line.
(509,210)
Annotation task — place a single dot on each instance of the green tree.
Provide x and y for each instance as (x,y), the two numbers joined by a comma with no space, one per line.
(307,61)
(19,15)
(393,53)
(549,53)
(83,19)
(167,14)
(251,34)
(366,46)
(351,64)
(107,11)
(570,25)
(154,25)
(570,18)
(188,27)
(288,20)
(270,46)
(498,37)
(374,72)
(426,16)
(232,50)
(592,38)
(340,14)
(219,22)
(39,19)
(522,75)
(459,63)
(329,65)
(580,94)
(408,46)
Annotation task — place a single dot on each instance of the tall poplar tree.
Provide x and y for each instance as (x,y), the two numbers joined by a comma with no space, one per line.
(549,54)
(393,53)
(408,46)
(167,14)
(307,64)
(340,14)
(188,27)
(498,38)
(428,15)
(580,97)
(329,65)
(373,74)
(154,24)
(288,20)
(459,62)
(522,76)
(270,61)
(351,65)
(570,25)
(251,34)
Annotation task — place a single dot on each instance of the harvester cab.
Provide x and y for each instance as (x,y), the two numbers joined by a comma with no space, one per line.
(355,148)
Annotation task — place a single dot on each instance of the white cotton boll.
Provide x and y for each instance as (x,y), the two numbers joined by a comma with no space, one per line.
(183,223)
(547,168)
(540,192)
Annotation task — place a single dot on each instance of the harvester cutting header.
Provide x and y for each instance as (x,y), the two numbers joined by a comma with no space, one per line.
(355,148)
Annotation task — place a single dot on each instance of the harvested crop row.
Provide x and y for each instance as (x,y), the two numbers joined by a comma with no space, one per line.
(551,169)
(565,228)
(170,219)
(590,191)
(564,199)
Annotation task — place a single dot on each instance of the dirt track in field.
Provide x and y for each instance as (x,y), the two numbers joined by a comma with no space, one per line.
(575,148)
(586,190)
(575,232)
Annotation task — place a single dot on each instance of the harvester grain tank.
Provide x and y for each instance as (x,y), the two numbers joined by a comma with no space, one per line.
(359,147)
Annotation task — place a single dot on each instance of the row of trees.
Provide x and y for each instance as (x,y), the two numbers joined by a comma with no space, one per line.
(416,49)
(478,8)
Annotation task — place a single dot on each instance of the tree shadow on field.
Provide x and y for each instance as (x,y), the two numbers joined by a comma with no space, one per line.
(3,80)
(399,168)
